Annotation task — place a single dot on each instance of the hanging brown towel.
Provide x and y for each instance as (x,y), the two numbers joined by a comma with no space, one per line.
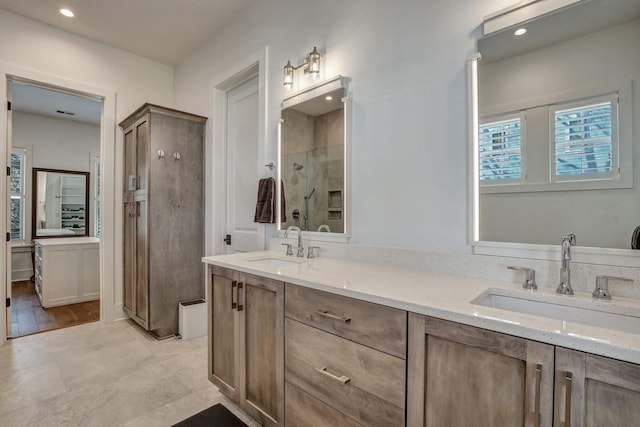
(266,203)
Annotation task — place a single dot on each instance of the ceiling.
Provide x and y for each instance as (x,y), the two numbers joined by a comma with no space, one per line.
(165,31)
(162,30)
(60,105)
(574,21)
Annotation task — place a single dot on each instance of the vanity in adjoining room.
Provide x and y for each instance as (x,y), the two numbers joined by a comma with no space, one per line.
(66,270)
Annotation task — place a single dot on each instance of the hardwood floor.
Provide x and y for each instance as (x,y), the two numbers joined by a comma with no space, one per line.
(28,316)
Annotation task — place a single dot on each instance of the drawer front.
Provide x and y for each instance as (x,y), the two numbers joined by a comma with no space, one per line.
(304,410)
(363,383)
(373,325)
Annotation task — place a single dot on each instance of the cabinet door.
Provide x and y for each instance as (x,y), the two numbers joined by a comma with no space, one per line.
(223,331)
(459,375)
(261,310)
(142,263)
(142,152)
(130,171)
(136,156)
(129,249)
(595,391)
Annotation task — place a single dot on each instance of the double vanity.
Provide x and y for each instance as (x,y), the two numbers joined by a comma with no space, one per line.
(298,341)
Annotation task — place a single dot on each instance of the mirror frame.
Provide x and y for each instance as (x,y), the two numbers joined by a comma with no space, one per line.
(580,254)
(34,202)
(306,94)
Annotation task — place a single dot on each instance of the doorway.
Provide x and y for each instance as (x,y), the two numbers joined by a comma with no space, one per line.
(242,233)
(49,127)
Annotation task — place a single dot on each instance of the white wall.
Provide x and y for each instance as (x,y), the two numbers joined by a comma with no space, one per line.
(34,49)
(56,143)
(407,64)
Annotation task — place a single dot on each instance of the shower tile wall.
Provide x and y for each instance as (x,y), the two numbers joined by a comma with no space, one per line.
(316,143)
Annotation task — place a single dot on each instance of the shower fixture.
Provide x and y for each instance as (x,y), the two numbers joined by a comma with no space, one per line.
(305,218)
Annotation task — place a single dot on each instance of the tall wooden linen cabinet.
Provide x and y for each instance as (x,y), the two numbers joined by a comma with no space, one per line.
(163,215)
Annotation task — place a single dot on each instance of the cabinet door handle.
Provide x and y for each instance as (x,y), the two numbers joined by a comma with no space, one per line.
(325,313)
(343,379)
(239,290)
(568,378)
(132,182)
(233,288)
(536,404)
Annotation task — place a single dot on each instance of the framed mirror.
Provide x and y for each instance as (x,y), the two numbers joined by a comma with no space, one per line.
(313,165)
(555,147)
(60,203)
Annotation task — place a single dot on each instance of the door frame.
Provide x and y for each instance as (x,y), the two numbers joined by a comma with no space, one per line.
(215,148)
(108,273)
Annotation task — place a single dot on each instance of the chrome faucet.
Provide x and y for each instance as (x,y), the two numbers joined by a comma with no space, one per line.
(300,253)
(564,287)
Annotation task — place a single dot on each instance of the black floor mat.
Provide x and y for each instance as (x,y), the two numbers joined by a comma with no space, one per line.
(215,416)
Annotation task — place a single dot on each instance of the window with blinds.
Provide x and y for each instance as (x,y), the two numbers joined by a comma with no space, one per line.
(584,138)
(18,195)
(500,142)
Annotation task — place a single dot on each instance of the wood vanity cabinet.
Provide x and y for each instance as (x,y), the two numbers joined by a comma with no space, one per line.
(344,361)
(595,391)
(460,375)
(246,315)
(163,215)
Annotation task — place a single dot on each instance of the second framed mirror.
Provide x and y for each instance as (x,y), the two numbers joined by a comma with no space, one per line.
(314,159)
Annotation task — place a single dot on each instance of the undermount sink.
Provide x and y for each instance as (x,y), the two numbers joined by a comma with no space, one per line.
(602,315)
(277,262)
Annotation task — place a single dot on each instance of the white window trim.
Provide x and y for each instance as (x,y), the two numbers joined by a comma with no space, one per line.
(22,196)
(624,89)
(596,180)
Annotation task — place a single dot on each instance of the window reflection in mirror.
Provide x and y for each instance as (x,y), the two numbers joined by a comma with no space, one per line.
(60,206)
(312,164)
(556,127)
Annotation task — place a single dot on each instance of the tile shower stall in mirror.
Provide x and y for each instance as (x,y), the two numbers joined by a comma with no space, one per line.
(312,163)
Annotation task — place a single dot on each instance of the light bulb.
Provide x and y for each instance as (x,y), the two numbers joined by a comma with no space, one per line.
(67,12)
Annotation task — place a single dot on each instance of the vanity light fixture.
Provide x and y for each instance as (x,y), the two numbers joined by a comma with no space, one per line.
(66,12)
(310,64)
(520,31)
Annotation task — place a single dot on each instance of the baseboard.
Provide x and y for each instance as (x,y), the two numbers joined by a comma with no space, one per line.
(21,275)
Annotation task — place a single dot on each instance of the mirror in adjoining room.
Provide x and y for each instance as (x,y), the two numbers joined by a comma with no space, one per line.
(557,137)
(313,154)
(60,207)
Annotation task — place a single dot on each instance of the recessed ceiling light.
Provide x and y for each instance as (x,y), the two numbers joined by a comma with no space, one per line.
(67,12)
(328,97)
(520,31)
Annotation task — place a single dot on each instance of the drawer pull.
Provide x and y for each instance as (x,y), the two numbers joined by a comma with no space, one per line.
(325,313)
(343,379)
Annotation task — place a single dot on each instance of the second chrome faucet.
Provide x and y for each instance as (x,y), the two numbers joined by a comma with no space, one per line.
(564,288)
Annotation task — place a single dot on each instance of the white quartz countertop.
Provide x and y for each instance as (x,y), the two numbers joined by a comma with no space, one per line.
(441,295)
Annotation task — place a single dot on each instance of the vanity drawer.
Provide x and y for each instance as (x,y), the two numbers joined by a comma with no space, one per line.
(363,383)
(373,325)
(302,409)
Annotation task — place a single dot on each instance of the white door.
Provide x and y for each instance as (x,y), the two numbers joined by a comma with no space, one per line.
(242,166)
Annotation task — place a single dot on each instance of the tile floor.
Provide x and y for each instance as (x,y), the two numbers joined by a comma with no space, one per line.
(104,375)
